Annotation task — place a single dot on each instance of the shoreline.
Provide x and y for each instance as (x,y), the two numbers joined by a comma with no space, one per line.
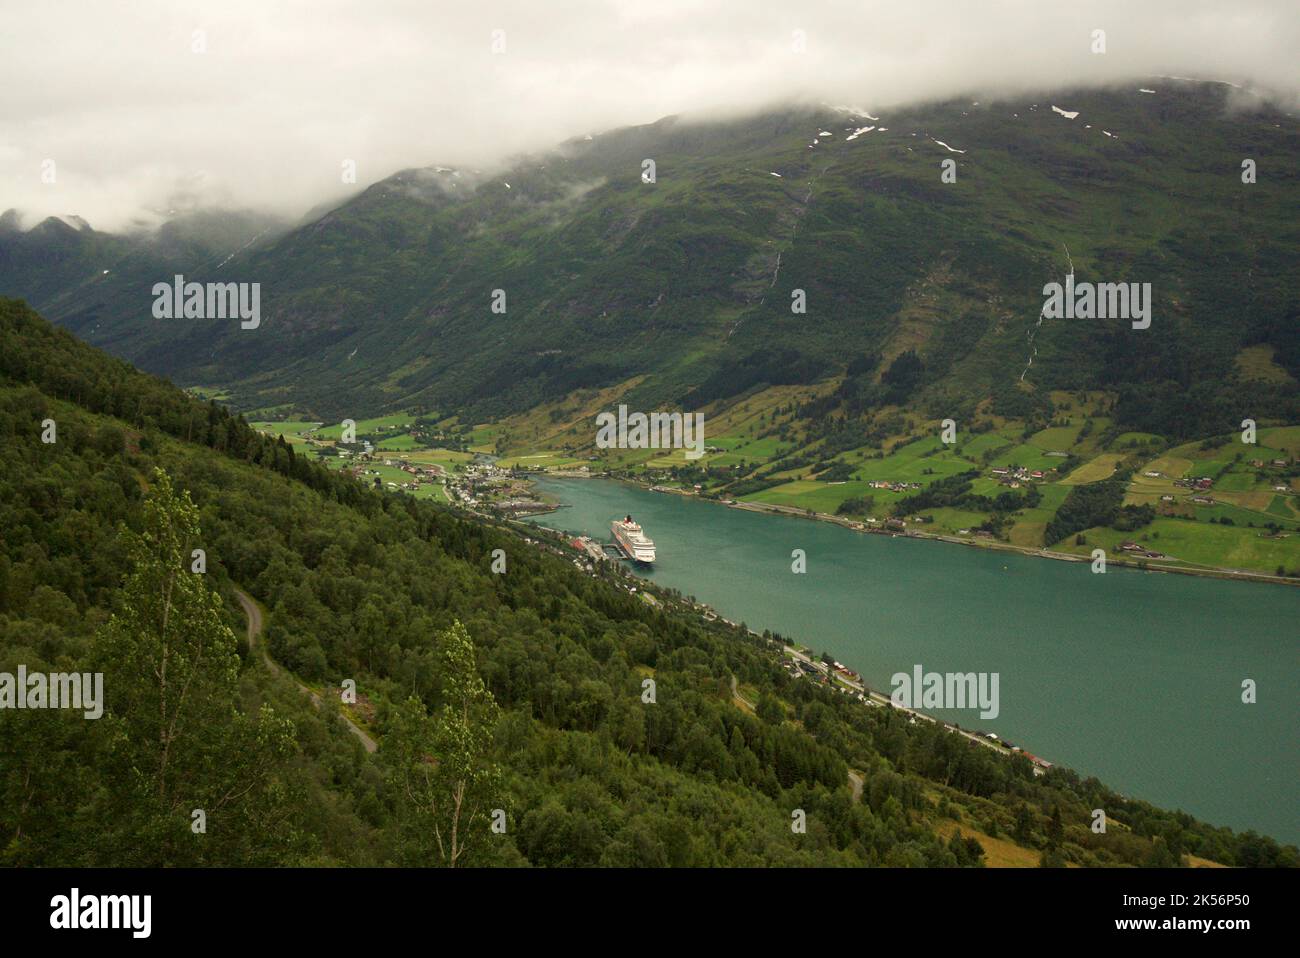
(854,525)
(787,652)
(792,651)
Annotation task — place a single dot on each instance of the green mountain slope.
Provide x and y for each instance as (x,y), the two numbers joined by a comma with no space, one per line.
(100,284)
(385,302)
(365,587)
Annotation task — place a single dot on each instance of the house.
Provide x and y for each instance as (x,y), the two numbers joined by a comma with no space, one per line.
(1035,475)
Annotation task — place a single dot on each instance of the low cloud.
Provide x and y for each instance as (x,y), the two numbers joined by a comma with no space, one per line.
(148,104)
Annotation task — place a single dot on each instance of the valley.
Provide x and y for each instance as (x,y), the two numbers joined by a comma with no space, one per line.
(353,587)
(1214,505)
(373,464)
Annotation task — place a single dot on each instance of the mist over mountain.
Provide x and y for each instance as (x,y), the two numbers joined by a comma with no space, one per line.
(237,106)
(698,433)
(679,290)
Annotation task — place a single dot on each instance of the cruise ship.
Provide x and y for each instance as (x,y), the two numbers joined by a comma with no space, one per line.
(634,543)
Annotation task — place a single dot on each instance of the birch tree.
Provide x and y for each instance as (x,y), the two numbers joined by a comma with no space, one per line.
(171,681)
(441,762)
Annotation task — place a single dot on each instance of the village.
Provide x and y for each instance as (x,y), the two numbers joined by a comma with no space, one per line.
(479,485)
(1192,491)
(1013,476)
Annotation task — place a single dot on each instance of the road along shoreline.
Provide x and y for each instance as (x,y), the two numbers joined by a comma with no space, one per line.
(855,525)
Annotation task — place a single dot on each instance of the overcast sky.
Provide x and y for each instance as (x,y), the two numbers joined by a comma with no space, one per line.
(133,117)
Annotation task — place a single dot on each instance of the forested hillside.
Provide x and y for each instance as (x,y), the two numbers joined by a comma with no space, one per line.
(680,290)
(521,691)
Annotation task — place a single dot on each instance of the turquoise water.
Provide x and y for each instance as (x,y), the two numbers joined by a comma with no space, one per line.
(1132,677)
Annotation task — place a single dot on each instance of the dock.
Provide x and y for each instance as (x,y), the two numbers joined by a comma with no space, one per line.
(592,548)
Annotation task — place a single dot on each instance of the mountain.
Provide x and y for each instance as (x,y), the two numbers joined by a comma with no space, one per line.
(680,291)
(401,598)
(74,270)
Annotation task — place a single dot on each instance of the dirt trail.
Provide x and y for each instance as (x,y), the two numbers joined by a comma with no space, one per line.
(254,615)
(856,781)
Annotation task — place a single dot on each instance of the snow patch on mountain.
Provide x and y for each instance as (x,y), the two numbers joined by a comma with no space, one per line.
(855,111)
(1163,76)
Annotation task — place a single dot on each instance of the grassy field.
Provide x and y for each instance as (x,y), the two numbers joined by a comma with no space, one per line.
(386,474)
(404,442)
(367,427)
(542,460)
(451,460)
(287,428)
(998,852)
(209,392)
(1031,524)
(1102,467)
(1196,543)
(401,445)
(808,494)
(758,431)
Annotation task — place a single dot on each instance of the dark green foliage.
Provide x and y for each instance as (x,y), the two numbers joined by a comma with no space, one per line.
(1097,504)
(902,377)
(857,506)
(361,586)
(760,368)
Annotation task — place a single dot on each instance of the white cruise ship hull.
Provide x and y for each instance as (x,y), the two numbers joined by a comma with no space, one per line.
(632,541)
